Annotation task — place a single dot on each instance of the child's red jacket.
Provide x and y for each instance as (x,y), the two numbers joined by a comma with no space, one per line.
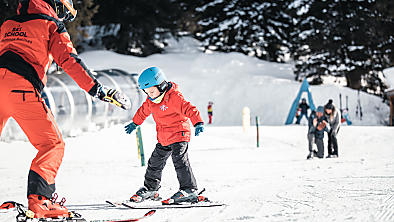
(171,116)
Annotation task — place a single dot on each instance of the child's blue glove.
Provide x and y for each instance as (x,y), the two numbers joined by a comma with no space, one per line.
(130,128)
(199,128)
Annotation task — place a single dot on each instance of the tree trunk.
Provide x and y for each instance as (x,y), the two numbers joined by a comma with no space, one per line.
(122,46)
(353,78)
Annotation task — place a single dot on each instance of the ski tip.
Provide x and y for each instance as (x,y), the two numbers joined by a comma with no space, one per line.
(150,213)
(110,203)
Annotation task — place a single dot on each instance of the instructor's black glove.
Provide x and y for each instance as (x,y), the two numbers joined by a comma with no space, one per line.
(113,96)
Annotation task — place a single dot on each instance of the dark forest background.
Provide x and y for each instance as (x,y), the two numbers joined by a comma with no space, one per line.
(343,38)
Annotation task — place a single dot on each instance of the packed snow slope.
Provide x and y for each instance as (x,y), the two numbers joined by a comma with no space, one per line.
(270,183)
(233,81)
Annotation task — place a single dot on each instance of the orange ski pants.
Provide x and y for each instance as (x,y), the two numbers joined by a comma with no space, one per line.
(19,100)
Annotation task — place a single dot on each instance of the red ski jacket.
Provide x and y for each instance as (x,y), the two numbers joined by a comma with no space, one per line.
(31,40)
(171,115)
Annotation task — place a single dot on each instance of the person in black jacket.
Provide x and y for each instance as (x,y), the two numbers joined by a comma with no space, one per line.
(303,106)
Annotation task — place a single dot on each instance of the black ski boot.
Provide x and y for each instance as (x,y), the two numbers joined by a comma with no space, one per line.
(144,194)
(182,196)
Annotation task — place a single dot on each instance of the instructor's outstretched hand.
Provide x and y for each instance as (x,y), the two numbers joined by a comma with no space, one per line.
(114,96)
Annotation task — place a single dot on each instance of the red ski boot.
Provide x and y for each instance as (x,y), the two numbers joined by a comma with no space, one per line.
(42,207)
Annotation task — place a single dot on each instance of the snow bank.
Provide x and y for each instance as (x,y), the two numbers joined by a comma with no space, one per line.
(270,183)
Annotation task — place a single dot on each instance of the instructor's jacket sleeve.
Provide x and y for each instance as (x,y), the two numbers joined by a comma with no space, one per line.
(65,55)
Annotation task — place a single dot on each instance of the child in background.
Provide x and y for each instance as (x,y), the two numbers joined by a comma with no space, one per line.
(317,129)
(210,112)
(171,112)
(302,110)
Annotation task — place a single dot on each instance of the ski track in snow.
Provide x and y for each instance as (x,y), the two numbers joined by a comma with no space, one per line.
(270,183)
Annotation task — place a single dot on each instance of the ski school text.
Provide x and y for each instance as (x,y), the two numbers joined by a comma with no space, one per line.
(15,33)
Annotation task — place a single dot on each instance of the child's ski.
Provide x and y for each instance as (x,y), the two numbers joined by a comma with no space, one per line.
(172,206)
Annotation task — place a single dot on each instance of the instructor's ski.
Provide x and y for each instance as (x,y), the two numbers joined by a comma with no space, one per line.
(150,213)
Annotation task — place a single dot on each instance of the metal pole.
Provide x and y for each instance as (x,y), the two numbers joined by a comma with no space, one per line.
(140,146)
(258,134)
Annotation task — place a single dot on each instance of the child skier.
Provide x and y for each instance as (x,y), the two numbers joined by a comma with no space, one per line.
(171,113)
(317,129)
(210,112)
(302,110)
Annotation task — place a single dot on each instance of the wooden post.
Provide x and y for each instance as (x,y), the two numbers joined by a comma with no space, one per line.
(258,134)
(245,119)
(140,146)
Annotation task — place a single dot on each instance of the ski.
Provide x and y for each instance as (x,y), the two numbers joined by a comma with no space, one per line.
(201,202)
(53,220)
(99,206)
(116,204)
(23,214)
(150,213)
(172,206)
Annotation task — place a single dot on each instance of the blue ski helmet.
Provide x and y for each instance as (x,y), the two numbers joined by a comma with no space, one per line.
(152,76)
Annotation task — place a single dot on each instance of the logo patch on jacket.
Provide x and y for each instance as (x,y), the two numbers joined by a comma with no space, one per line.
(163,107)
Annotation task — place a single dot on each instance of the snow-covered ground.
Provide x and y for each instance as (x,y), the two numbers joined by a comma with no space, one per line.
(270,183)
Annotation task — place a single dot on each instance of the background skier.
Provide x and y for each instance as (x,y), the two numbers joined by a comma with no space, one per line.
(210,112)
(29,42)
(171,113)
(334,119)
(317,129)
(303,107)
(311,135)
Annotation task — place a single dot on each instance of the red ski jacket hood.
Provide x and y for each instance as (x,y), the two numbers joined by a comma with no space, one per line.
(33,39)
(171,115)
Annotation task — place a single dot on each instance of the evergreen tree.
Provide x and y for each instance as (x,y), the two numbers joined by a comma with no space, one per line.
(86,10)
(7,9)
(343,38)
(141,27)
(256,28)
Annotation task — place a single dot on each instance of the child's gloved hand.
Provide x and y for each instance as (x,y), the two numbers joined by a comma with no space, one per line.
(130,128)
(199,128)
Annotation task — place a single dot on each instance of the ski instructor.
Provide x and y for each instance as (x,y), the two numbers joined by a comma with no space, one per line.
(29,42)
